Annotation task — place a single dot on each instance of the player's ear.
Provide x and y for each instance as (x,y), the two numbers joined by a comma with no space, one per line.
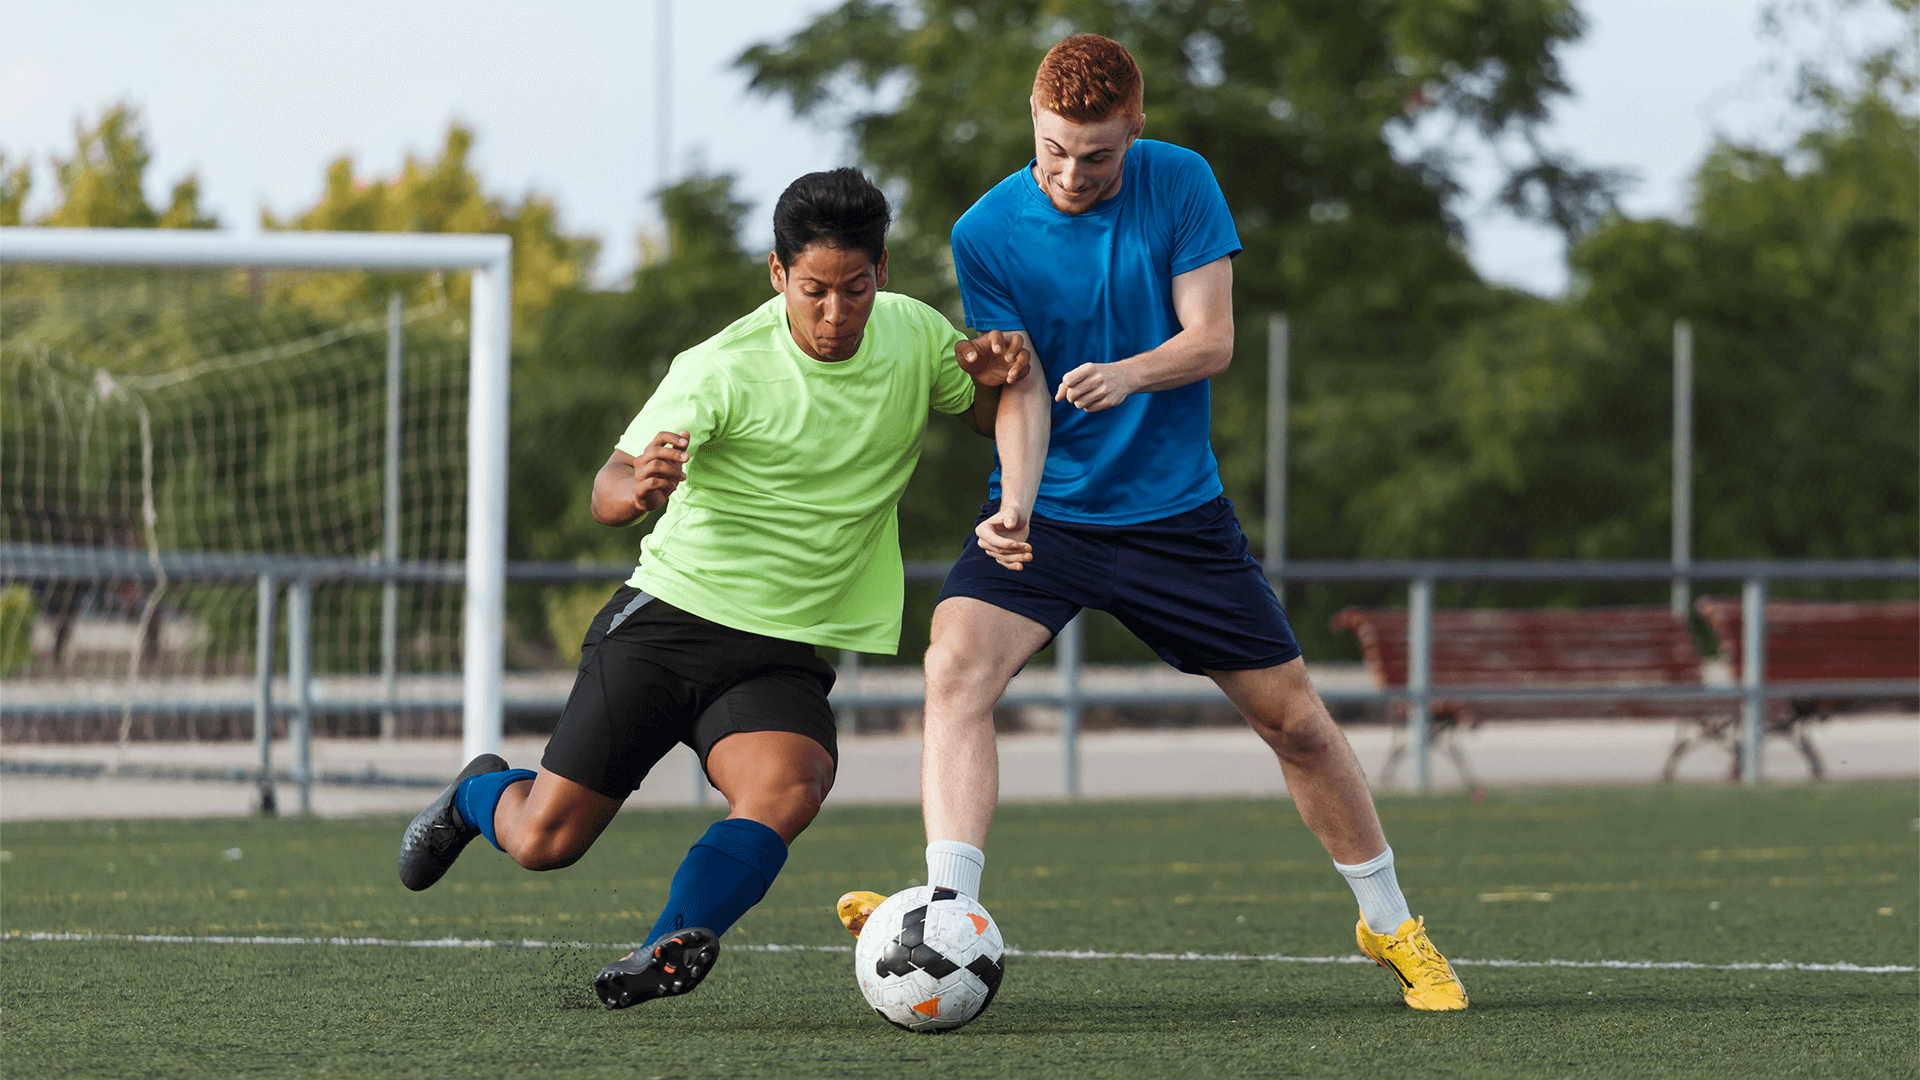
(880,272)
(776,272)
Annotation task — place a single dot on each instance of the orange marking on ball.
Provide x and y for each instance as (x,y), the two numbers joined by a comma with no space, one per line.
(930,1008)
(979,924)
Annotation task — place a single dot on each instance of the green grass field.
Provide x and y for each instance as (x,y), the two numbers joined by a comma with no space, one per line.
(1717,876)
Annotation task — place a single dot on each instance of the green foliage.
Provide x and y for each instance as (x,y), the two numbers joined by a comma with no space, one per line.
(444,195)
(1295,104)
(569,611)
(102,184)
(17,613)
(15,184)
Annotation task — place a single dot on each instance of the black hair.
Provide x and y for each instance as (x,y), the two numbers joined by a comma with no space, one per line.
(841,208)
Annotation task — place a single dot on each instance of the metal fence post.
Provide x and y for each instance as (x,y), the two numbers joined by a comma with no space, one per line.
(845,718)
(300,673)
(1682,463)
(1753,675)
(390,531)
(1420,677)
(1067,662)
(263,694)
(1279,351)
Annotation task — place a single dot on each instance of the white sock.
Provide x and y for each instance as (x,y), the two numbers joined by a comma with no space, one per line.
(1373,884)
(955,865)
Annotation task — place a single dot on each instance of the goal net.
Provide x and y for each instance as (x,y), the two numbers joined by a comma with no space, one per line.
(176,440)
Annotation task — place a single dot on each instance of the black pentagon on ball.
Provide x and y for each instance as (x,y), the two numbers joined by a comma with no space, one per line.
(987,971)
(934,964)
(944,893)
(894,961)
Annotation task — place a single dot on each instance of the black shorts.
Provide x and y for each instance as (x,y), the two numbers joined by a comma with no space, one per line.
(1186,585)
(652,675)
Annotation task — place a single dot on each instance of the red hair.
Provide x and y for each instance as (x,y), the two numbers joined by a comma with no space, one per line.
(1087,78)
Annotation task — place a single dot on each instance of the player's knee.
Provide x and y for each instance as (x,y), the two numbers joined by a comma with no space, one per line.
(1296,728)
(957,674)
(544,850)
(785,808)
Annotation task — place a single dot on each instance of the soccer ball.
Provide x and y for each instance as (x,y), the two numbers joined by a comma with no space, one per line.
(929,959)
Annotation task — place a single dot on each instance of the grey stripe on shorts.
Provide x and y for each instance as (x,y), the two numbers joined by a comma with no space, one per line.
(638,602)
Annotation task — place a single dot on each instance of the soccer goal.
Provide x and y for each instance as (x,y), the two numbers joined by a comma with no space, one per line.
(196,427)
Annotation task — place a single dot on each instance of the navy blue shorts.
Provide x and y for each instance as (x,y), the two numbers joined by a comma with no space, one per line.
(1186,585)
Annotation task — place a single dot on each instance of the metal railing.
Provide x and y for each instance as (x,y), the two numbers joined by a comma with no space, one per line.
(299,575)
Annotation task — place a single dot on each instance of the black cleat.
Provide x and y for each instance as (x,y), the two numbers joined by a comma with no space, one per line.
(436,835)
(674,964)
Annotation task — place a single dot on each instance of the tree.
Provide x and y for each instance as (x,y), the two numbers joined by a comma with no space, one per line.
(445,196)
(1545,428)
(1299,106)
(103,185)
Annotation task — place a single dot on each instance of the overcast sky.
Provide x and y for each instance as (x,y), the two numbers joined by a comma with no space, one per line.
(564,97)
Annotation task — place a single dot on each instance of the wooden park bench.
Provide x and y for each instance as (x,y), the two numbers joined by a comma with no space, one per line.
(1812,642)
(1535,649)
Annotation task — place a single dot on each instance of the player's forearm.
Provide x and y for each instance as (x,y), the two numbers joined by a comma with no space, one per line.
(1021,428)
(1193,354)
(613,502)
(981,416)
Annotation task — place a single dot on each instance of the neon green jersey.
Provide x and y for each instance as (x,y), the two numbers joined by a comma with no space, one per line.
(786,525)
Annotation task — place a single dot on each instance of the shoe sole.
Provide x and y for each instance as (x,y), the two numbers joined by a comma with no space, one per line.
(678,964)
(417,869)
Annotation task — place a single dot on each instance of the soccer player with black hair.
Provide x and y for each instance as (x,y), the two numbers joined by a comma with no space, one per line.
(779,448)
(1110,256)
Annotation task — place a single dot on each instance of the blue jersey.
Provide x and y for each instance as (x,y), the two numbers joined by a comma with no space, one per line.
(1095,288)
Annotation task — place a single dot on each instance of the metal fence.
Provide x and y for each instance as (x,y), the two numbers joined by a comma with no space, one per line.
(295,578)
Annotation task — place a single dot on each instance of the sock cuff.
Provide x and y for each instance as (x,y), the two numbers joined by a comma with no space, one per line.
(955,865)
(748,842)
(477,796)
(957,849)
(1369,868)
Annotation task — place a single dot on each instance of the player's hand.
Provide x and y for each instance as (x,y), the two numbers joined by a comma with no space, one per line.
(1004,537)
(1092,387)
(995,358)
(660,469)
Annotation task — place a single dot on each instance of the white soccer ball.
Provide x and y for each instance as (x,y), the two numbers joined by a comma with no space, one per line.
(929,959)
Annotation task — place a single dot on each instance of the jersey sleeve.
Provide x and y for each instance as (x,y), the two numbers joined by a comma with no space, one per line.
(692,398)
(984,296)
(1202,225)
(952,390)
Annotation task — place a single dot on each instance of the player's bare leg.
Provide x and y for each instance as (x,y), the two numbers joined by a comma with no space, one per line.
(777,778)
(1322,773)
(774,782)
(976,649)
(549,822)
(1330,790)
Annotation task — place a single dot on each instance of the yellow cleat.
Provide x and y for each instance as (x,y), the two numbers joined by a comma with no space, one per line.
(854,908)
(1426,978)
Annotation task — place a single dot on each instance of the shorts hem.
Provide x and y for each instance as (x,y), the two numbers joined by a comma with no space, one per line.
(1284,657)
(617,796)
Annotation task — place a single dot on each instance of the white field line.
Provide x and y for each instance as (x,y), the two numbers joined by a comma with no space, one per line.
(1050,954)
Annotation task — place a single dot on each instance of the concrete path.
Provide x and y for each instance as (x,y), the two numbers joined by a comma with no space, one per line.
(1204,762)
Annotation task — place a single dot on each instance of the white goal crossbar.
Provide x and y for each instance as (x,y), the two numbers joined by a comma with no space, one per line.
(490,259)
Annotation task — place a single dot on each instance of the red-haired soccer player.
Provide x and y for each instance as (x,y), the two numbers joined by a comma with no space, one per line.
(1110,256)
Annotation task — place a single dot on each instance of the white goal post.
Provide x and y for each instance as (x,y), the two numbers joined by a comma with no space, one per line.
(490,260)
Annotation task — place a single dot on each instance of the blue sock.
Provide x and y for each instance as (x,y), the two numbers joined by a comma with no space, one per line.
(476,797)
(727,871)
